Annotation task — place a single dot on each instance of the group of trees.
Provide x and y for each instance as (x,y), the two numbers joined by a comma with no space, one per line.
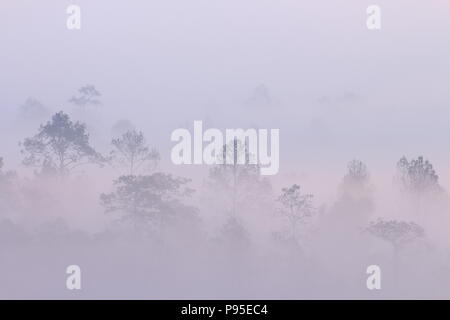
(355,204)
(354,208)
(61,146)
(144,196)
(34,110)
(417,179)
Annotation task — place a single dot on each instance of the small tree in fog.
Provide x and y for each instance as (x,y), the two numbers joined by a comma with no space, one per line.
(418,179)
(120,127)
(354,203)
(5,176)
(397,233)
(231,173)
(260,97)
(151,199)
(33,109)
(417,176)
(59,146)
(233,233)
(297,207)
(87,95)
(8,198)
(132,152)
(357,173)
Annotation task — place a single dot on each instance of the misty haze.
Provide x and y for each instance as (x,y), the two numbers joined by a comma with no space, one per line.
(362,175)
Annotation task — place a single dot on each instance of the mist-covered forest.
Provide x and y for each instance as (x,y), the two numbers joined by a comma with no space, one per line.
(85,171)
(139,230)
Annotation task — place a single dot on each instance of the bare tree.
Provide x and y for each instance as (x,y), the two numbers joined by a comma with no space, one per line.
(238,181)
(87,95)
(131,151)
(234,150)
(59,146)
(296,207)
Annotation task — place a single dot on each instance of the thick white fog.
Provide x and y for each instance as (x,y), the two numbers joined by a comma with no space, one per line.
(364,174)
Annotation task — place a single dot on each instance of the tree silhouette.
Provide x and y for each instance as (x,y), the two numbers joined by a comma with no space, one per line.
(33,109)
(234,234)
(8,198)
(417,176)
(357,173)
(354,203)
(59,146)
(240,181)
(418,180)
(397,233)
(1,166)
(154,200)
(132,152)
(88,95)
(5,177)
(121,126)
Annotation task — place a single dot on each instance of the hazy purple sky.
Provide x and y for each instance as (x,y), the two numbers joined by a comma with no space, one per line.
(338,90)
